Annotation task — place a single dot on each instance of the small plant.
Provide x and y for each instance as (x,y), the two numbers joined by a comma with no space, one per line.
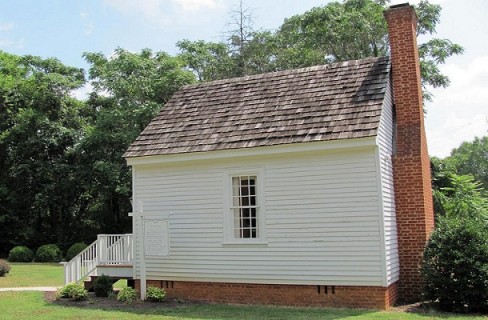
(4,268)
(20,254)
(74,250)
(112,295)
(72,291)
(48,253)
(103,285)
(127,295)
(154,294)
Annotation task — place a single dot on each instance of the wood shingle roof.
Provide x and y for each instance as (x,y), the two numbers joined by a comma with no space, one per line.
(328,102)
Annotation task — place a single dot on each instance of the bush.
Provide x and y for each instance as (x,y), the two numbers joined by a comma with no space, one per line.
(20,254)
(74,250)
(455,265)
(127,295)
(73,291)
(48,253)
(4,268)
(103,286)
(154,294)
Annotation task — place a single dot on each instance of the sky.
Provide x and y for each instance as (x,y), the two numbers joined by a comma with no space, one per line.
(66,29)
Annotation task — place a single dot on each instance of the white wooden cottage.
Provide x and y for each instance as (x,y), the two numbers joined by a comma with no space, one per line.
(279,188)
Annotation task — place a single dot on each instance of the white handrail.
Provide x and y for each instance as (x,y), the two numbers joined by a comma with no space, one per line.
(108,249)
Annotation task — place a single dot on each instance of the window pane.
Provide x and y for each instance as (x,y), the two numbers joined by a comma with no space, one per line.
(244,202)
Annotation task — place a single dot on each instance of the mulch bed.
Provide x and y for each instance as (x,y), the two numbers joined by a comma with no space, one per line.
(112,303)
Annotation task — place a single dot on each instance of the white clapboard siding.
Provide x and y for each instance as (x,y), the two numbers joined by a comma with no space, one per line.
(385,143)
(322,220)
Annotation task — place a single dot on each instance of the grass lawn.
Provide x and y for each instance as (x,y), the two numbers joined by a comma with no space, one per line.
(38,275)
(33,275)
(31,305)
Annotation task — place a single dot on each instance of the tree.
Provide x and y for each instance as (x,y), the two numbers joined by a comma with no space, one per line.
(129,89)
(472,158)
(461,180)
(40,128)
(338,31)
(207,60)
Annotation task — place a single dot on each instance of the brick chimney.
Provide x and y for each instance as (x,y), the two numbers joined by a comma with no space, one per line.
(411,163)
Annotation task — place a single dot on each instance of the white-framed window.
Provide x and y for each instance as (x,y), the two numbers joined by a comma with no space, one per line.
(245,208)
(244,214)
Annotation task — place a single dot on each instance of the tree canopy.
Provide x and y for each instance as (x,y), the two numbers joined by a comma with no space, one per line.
(64,178)
(338,31)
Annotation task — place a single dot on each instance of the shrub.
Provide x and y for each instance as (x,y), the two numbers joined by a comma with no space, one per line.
(73,291)
(74,250)
(20,254)
(4,268)
(127,295)
(154,294)
(103,285)
(455,265)
(48,253)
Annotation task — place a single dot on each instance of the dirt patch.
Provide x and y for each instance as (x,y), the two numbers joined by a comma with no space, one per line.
(412,308)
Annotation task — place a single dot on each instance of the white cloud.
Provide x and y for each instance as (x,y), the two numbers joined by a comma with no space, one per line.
(83,92)
(6,26)
(5,42)
(87,23)
(196,5)
(460,112)
(163,12)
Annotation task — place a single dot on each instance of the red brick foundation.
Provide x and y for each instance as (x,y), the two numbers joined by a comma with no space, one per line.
(284,295)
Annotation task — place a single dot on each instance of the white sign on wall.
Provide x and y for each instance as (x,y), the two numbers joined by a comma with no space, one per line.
(156,237)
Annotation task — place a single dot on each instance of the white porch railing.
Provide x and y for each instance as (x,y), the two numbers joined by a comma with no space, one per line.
(108,249)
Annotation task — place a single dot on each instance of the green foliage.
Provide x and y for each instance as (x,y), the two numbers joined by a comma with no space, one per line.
(40,127)
(464,198)
(459,181)
(472,158)
(75,249)
(103,285)
(129,89)
(337,31)
(20,254)
(208,60)
(72,291)
(4,268)
(155,294)
(455,265)
(48,253)
(127,295)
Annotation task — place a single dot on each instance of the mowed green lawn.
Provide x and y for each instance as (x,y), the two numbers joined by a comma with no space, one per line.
(33,275)
(31,305)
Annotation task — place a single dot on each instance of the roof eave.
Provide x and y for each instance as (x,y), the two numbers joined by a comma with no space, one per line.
(256,151)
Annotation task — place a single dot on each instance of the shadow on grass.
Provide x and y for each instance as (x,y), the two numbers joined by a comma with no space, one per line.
(193,310)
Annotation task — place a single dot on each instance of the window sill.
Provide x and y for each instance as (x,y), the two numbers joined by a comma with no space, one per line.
(241,243)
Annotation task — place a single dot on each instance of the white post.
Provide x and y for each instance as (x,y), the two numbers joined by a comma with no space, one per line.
(66,276)
(140,209)
(143,262)
(98,256)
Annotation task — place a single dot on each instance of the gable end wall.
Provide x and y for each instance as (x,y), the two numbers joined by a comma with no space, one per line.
(385,153)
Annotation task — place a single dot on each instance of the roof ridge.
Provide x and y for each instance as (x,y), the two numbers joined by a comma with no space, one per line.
(287,71)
